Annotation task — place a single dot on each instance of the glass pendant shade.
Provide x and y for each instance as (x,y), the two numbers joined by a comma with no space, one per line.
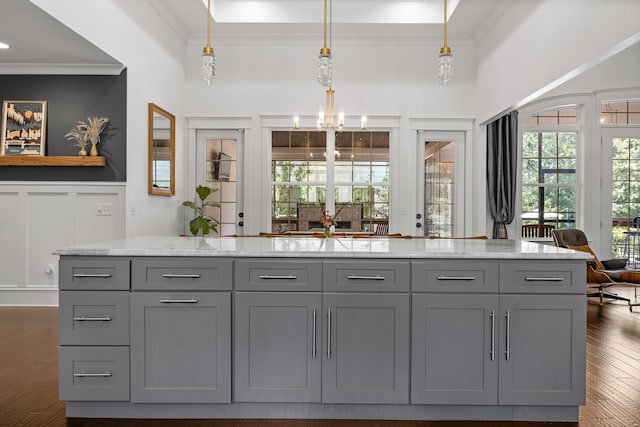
(325,70)
(445,68)
(208,66)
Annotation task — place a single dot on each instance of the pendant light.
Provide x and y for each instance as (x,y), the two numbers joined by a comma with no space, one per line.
(208,66)
(325,62)
(445,65)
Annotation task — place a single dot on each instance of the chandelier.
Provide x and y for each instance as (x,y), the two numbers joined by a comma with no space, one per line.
(445,66)
(326,116)
(208,65)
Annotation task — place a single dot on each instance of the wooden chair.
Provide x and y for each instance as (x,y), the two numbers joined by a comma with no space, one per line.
(382,229)
(536,230)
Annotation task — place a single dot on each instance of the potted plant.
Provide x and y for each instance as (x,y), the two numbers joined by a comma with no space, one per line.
(202,221)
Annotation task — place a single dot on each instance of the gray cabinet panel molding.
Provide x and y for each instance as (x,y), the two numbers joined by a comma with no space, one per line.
(180,347)
(94,273)
(366,276)
(278,275)
(188,274)
(277,347)
(454,349)
(544,337)
(454,276)
(368,357)
(94,318)
(94,373)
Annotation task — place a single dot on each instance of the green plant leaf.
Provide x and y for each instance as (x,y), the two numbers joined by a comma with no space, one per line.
(203,192)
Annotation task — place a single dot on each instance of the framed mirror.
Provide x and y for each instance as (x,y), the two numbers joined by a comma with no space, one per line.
(162,151)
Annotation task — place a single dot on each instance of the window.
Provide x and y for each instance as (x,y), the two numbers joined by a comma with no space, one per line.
(549,170)
(620,113)
(298,175)
(299,179)
(362,175)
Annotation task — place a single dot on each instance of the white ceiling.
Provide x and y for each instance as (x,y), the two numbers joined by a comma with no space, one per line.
(48,44)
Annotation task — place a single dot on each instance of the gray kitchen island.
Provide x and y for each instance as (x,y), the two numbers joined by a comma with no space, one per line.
(349,328)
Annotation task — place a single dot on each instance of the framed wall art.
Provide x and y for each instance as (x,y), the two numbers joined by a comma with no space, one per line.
(23,128)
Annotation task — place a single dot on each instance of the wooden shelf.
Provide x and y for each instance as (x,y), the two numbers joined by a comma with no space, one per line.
(52,161)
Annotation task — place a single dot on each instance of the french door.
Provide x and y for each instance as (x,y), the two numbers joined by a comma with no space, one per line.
(219,166)
(620,195)
(440,201)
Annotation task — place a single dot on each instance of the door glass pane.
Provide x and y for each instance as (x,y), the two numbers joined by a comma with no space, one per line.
(439,188)
(625,195)
(221,175)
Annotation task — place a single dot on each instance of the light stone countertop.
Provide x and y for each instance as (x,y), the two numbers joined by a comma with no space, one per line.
(333,247)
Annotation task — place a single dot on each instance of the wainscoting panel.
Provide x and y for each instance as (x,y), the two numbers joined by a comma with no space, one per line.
(38,218)
(13,245)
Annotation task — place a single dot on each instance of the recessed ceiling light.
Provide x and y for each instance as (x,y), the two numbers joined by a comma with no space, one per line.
(4,46)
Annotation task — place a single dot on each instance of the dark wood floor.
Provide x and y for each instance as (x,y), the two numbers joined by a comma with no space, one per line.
(28,378)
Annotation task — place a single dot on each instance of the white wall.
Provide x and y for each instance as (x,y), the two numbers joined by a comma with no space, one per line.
(537,43)
(37,219)
(134,34)
(389,81)
(620,71)
(45,216)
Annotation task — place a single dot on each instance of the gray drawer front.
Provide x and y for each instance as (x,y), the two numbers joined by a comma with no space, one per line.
(97,273)
(189,274)
(94,318)
(94,373)
(543,278)
(278,275)
(366,276)
(454,276)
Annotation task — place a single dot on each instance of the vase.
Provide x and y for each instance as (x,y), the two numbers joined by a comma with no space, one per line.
(94,150)
(327,231)
(82,152)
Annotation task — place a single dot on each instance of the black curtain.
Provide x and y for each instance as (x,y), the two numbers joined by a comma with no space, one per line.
(502,155)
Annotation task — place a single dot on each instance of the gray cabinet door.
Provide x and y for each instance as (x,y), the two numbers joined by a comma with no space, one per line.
(542,354)
(454,359)
(366,357)
(277,347)
(180,347)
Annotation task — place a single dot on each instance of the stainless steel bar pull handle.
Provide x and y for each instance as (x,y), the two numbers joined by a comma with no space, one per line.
(492,352)
(313,335)
(181,276)
(329,333)
(93,374)
(87,275)
(92,319)
(281,277)
(179,301)
(544,279)
(376,277)
(507,350)
(456,278)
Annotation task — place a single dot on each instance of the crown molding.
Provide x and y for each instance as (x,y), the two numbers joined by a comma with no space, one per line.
(62,69)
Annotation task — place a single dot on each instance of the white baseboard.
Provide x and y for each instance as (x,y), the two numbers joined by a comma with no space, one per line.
(29,297)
